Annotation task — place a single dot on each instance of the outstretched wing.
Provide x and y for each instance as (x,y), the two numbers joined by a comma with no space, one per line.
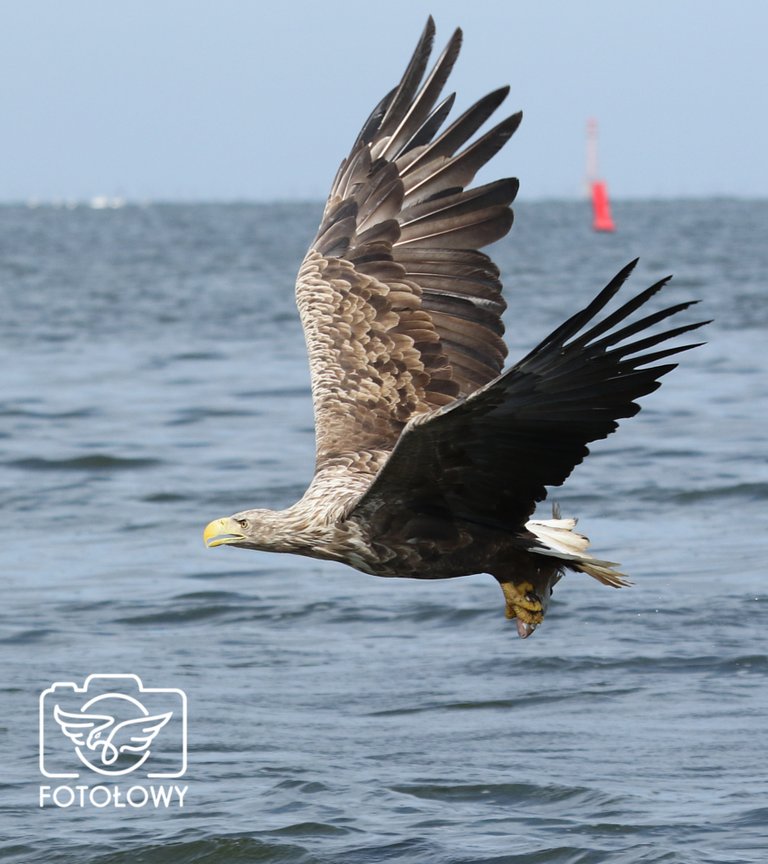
(401,313)
(79,727)
(135,736)
(488,459)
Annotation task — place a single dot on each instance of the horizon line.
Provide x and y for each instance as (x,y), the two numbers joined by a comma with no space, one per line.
(115,202)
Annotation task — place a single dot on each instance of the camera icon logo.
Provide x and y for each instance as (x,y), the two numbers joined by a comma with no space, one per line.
(113,726)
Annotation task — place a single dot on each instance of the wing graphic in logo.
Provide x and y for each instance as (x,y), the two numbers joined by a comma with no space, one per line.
(82,729)
(108,739)
(133,736)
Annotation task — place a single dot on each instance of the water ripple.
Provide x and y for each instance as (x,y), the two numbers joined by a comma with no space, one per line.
(92,462)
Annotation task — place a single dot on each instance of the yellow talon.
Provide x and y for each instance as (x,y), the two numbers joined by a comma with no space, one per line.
(518,602)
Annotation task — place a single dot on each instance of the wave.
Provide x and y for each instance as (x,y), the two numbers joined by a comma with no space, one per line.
(92,462)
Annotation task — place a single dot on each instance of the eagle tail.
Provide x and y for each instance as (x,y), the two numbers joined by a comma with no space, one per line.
(557,539)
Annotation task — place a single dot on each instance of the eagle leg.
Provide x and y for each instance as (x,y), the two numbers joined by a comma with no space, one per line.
(524,605)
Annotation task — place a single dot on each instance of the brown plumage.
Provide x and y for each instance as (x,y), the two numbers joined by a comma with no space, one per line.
(430,458)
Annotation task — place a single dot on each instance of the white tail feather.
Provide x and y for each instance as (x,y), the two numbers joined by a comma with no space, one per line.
(557,539)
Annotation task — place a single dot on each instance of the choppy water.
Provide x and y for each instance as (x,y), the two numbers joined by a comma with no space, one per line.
(153,377)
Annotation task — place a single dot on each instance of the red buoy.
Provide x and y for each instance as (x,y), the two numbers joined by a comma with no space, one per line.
(601,209)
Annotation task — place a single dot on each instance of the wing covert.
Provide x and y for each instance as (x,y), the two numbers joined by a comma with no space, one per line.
(400,309)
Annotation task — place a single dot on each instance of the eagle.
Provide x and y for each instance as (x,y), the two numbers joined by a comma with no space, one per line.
(431,456)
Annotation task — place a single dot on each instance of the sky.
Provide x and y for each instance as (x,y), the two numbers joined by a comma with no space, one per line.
(250,100)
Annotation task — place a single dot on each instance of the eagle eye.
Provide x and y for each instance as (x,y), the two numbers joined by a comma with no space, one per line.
(243,523)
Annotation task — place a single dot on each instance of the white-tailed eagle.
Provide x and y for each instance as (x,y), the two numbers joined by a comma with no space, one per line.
(430,457)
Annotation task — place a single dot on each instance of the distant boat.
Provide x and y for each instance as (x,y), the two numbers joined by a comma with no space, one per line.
(598,190)
(105,202)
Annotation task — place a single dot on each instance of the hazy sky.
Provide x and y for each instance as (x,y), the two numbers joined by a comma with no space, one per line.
(231,99)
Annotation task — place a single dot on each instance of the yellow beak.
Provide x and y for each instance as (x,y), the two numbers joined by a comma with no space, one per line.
(222,531)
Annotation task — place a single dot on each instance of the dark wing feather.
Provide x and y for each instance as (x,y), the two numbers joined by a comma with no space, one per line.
(488,458)
(401,312)
(411,125)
